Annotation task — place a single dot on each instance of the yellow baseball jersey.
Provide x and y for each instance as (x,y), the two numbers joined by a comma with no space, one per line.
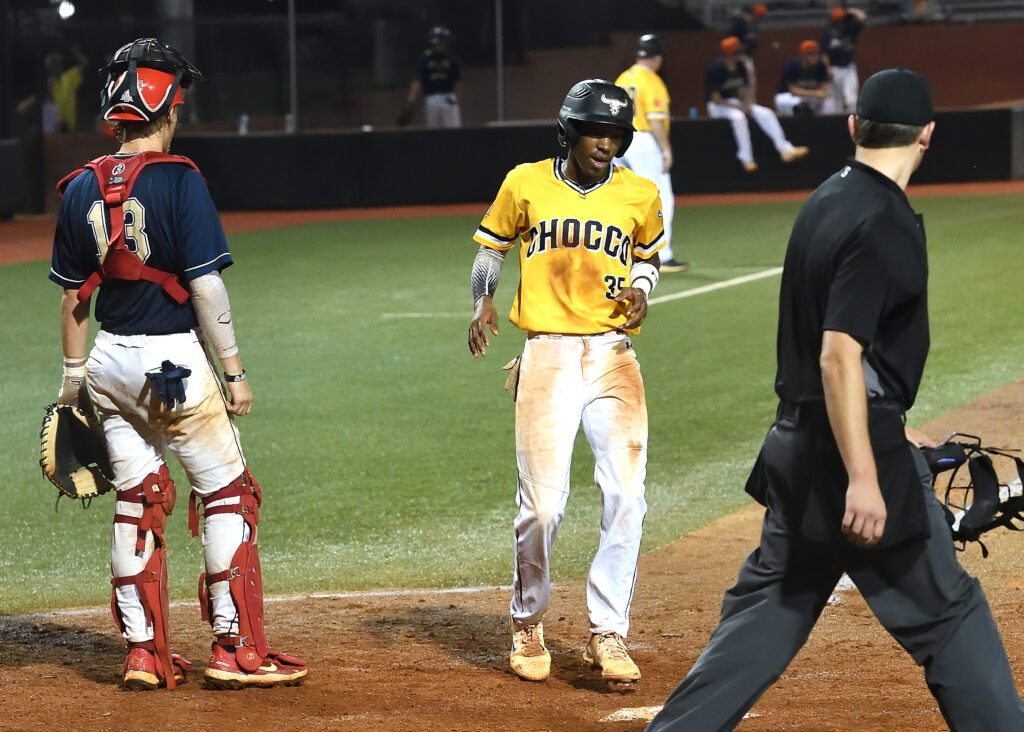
(650,96)
(576,245)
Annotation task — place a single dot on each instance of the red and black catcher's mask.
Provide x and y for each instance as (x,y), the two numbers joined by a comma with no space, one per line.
(144,79)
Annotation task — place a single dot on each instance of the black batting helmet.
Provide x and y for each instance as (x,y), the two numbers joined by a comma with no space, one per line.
(649,45)
(144,80)
(595,100)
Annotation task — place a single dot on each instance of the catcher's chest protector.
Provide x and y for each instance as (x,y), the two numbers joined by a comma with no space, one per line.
(116,176)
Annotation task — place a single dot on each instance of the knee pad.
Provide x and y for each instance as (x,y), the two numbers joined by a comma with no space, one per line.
(245,581)
(156,494)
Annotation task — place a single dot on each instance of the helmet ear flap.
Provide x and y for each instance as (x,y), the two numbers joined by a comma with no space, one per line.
(627,138)
(568,135)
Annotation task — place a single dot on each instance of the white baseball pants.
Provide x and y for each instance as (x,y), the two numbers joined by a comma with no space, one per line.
(442,110)
(139,430)
(785,102)
(845,88)
(563,380)
(765,119)
(644,158)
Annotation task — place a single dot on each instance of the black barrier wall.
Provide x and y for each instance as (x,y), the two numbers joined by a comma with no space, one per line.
(10,177)
(400,167)
(441,166)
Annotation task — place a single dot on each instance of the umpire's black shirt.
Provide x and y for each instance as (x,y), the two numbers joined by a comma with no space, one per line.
(857,264)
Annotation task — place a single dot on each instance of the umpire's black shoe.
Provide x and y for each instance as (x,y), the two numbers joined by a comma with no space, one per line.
(671,265)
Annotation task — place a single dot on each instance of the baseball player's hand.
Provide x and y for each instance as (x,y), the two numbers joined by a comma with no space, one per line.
(637,310)
(919,438)
(241,398)
(484,316)
(666,161)
(864,520)
(74,392)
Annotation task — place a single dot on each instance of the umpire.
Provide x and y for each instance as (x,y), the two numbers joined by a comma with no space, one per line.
(843,481)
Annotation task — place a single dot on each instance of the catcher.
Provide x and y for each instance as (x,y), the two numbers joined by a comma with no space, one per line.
(140,225)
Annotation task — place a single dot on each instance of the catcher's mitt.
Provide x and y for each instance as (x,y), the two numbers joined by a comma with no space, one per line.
(983,503)
(73,454)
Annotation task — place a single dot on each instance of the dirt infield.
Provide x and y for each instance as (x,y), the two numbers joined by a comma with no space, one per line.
(430,661)
(433,661)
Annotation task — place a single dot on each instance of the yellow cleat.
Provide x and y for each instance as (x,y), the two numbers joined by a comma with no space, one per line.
(530,659)
(607,651)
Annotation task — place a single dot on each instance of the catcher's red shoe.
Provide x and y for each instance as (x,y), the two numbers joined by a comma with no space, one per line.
(141,673)
(277,669)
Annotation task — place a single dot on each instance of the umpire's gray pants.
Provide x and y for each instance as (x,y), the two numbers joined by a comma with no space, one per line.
(922,596)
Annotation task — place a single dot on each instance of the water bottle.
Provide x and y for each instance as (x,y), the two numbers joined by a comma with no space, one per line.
(693,113)
(243,125)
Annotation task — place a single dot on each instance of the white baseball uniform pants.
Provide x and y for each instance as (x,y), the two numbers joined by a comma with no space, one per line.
(442,110)
(845,88)
(785,102)
(139,429)
(563,380)
(765,119)
(644,158)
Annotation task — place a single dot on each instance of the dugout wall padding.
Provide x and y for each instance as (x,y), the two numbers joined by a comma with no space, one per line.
(1017,144)
(419,166)
(443,166)
(10,177)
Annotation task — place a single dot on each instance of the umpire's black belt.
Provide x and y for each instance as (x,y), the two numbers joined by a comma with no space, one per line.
(813,415)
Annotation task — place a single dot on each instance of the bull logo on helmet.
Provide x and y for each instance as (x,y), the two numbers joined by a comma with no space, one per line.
(614,105)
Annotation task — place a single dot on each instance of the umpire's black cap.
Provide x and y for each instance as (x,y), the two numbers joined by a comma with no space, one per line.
(896,96)
(648,46)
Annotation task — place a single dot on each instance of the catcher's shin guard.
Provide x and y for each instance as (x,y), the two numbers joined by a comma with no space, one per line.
(157,495)
(244,579)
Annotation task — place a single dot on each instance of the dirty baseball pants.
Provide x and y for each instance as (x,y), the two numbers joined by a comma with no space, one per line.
(765,119)
(139,429)
(563,380)
(919,592)
(644,158)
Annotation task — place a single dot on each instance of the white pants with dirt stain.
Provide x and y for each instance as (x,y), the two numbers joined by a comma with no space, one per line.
(565,380)
(139,429)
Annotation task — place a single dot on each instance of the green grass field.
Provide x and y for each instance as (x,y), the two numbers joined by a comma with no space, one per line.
(386,451)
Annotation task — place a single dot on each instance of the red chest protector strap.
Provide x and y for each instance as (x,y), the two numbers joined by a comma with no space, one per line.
(115,177)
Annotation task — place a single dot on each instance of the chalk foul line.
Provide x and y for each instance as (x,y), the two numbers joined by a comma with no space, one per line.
(716,286)
(354,595)
(772,272)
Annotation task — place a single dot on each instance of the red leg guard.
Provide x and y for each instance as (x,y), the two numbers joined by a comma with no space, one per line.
(156,494)
(245,581)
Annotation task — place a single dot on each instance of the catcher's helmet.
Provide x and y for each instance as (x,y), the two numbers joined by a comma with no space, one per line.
(595,100)
(144,80)
(649,46)
(439,36)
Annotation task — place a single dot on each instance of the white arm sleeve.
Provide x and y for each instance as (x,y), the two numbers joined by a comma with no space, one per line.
(486,271)
(213,309)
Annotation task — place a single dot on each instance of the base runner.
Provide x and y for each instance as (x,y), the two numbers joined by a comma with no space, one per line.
(589,234)
(141,226)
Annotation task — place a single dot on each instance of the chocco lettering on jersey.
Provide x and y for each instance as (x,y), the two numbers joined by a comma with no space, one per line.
(569,233)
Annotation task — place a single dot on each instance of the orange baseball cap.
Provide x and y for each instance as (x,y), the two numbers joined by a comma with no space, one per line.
(838,13)
(810,47)
(760,10)
(730,45)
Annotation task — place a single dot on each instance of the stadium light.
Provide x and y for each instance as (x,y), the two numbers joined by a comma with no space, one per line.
(66,9)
